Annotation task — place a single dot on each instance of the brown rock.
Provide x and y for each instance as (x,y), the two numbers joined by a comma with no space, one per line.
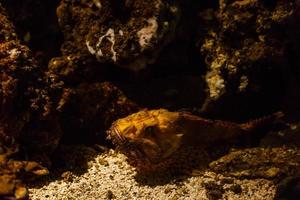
(88,110)
(268,163)
(246,52)
(127,33)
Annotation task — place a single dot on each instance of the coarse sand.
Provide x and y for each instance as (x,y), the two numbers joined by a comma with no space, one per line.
(93,174)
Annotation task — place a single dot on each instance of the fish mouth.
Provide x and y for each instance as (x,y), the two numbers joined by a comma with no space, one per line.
(136,156)
(114,134)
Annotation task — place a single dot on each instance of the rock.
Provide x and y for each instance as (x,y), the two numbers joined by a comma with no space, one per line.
(247,54)
(129,33)
(13,172)
(87,111)
(71,70)
(213,190)
(36,26)
(268,163)
(288,188)
(24,100)
(289,136)
(23,95)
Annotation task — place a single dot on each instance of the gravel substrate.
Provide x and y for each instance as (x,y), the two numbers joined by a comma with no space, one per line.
(108,176)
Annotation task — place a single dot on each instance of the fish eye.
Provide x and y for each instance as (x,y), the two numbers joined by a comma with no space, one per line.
(150,130)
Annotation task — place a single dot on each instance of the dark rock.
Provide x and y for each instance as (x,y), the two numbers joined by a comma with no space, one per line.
(24,99)
(288,189)
(36,26)
(237,189)
(87,111)
(268,163)
(129,34)
(214,191)
(247,53)
(23,95)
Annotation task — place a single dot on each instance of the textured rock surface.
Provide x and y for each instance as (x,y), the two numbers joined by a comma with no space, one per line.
(13,172)
(129,33)
(23,100)
(247,52)
(268,163)
(23,88)
(36,25)
(88,110)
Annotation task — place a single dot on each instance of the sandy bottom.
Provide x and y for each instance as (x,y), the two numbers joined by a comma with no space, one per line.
(94,174)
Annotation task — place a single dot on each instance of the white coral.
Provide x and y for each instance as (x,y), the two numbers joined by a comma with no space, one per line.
(214,79)
(90,48)
(110,36)
(147,33)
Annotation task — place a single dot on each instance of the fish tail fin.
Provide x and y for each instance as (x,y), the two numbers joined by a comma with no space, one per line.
(264,122)
(258,128)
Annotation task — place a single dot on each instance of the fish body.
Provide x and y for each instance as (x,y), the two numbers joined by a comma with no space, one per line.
(152,137)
